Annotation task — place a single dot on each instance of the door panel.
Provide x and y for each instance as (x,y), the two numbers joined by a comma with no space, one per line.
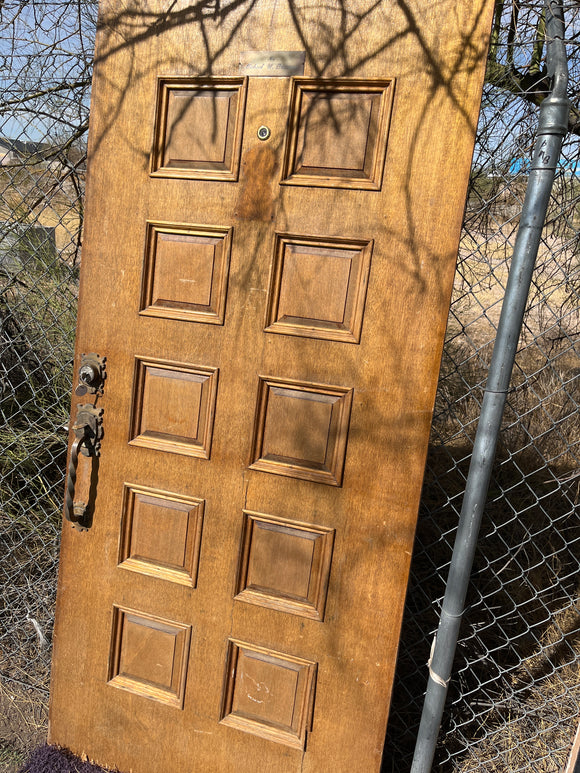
(267,267)
(338,133)
(198,128)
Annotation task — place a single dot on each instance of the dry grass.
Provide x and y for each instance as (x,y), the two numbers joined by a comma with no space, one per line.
(23,724)
(514,699)
(539,726)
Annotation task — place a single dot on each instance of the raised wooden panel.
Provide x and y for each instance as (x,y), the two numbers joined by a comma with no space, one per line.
(161,534)
(284,564)
(301,430)
(185,273)
(173,407)
(149,656)
(268,693)
(318,287)
(198,128)
(338,132)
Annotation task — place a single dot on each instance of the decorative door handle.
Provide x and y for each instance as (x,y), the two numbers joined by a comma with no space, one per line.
(88,430)
(73,512)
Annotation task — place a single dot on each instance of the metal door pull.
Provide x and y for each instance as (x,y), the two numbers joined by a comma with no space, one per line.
(88,430)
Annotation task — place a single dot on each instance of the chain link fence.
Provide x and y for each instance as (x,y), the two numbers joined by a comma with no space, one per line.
(45,66)
(515,695)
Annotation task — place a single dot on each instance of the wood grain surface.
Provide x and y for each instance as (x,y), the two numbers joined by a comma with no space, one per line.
(272,312)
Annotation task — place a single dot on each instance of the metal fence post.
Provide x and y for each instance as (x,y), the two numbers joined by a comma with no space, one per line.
(553,125)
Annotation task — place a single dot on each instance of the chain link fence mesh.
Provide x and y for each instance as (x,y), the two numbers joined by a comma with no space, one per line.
(515,695)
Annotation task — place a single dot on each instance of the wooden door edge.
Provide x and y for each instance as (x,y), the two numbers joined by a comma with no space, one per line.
(573,765)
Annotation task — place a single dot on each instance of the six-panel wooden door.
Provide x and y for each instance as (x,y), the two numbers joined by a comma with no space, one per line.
(274,200)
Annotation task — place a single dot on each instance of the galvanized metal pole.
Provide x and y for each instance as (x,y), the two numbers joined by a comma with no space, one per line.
(553,125)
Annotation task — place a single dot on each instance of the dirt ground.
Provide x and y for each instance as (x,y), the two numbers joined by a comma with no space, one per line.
(23,720)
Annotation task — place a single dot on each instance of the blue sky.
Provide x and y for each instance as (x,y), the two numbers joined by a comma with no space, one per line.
(51,33)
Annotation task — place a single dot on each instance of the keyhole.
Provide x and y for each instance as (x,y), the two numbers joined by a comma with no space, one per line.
(88,374)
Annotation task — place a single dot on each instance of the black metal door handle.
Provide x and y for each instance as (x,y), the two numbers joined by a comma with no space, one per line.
(88,431)
(74,511)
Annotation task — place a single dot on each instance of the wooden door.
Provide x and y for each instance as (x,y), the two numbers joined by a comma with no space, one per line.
(273,210)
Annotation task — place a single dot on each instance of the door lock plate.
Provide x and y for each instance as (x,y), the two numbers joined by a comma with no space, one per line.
(92,375)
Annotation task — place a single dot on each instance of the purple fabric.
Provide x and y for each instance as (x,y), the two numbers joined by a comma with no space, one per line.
(50,759)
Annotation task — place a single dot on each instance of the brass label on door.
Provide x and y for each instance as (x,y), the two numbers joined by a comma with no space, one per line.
(272,63)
